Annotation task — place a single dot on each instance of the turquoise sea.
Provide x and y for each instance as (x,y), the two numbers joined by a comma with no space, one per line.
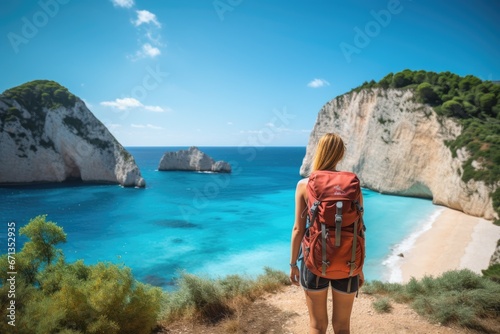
(203,223)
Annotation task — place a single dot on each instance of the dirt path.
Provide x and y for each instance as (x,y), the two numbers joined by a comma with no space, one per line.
(401,319)
(286,313)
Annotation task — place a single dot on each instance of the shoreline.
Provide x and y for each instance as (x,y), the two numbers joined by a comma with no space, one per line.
(449,240)
(395,259)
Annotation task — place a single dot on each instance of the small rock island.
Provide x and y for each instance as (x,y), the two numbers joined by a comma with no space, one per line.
(192,160)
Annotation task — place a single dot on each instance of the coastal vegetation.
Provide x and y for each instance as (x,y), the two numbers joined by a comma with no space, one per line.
(105,298)
(38,94)
(209,301)
(473,103)
(456,297)
(53,296)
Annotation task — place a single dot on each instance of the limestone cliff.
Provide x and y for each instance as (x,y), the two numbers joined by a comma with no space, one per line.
(397,146)
(192,160)
(49,135)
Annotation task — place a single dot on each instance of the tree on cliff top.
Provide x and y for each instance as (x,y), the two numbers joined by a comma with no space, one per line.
(41,93)
(483,97)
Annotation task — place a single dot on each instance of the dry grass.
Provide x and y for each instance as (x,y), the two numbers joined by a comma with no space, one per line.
(202,303)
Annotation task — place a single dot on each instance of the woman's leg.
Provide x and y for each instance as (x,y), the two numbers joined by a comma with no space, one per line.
(341,311)
(318,314)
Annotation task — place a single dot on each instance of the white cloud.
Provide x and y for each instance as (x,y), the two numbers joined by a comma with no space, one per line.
(130,102)
(113,126)
(317,83)
(148,27)
(146,126)
(154,108)
(251,131)
(149,50)
(122,104)
(144,16)
(229,123)
(123,3)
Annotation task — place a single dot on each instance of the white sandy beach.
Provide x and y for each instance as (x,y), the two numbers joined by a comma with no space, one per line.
(454,241)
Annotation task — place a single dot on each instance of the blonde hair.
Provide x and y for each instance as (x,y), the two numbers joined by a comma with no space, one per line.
(329,151)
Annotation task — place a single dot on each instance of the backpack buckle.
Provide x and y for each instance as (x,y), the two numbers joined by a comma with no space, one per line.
(324,266)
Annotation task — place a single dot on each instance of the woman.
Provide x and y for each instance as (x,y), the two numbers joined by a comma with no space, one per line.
(329,152)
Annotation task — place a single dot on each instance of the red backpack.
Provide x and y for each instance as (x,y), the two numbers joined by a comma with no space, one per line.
(334,245)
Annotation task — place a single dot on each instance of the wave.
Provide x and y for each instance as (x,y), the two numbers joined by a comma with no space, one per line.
(394,260)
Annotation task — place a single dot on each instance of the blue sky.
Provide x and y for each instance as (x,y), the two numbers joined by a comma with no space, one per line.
(234,72)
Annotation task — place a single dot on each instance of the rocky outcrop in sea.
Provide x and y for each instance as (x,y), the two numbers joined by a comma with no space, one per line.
(192,160)
(48,134)
(398,146)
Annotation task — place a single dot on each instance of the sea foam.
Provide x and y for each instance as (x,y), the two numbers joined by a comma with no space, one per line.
(394,260)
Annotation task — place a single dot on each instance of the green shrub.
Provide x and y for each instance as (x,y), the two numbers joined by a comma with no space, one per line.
(210,300)
(378,287)
(487,101)
(427,94)
(496,200)
(205,297)
(382,305)
(459,297)
(41,93)
(493,272)
(103,298)
(43,237)
(272,280)
(402,79)
(235,285)
(196,297)
(12,114)
(453,108)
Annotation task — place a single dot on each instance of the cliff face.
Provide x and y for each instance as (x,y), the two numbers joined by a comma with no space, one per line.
(397,146)
(53,142)
(192,160)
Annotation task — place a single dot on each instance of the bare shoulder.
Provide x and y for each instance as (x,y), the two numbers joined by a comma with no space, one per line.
(303,181)
(302,184)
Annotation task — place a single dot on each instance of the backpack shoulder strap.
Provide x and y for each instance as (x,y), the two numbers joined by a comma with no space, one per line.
(311,217)
(352,263)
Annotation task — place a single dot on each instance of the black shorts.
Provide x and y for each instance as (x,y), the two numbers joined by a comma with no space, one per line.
(310,281)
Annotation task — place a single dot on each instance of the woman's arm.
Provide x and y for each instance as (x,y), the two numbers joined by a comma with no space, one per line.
(299,228)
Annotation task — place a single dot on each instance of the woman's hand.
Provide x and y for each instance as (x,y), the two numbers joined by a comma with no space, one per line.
(294,275)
